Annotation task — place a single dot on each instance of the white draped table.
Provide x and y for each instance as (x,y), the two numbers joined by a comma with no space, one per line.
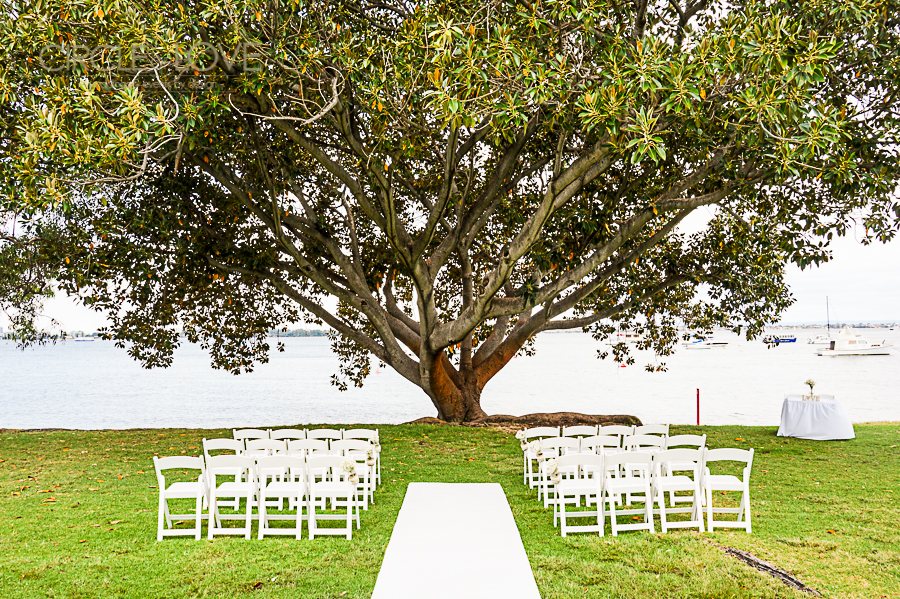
(823,420)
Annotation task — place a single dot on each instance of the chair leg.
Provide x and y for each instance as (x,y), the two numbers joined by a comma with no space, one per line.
(709,510)
(199,517)
(561,500)
(613,519)
(601,514)
(249,520)
(648,508)
(745,502)
(350,502)
(213,516)
(262,514)
(160,517)
(661,501)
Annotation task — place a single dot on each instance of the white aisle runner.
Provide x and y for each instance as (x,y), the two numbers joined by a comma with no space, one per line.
(455,540)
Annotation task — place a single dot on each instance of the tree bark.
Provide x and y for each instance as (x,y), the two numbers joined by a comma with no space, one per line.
(456,401)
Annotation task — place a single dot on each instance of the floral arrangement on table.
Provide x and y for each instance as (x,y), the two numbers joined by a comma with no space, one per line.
(349,467)
(522,437)
(552,468)
(537,449)
(810,397)
(370,456)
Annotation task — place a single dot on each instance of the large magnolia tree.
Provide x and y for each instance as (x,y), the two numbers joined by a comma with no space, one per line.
(438,181)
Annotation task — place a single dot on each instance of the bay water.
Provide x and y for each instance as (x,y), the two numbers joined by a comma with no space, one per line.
(95,385)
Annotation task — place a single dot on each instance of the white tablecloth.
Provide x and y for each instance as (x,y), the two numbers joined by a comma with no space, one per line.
(823,420)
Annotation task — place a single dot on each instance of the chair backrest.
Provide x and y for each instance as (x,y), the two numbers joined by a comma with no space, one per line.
(278,465)
(730,455)
(328,467)
(324,433)
(600,442)
(222,445)
(588,465)
(287,433)
(229,465)
(175,462)
(558,442)
(652,429)
(541,431)
(686,441)
(629,458)
(682,456)
(619,430)
(306,446)
(249,433)
(368,434)
(351,445)
(635,442)
(579,431)
(269,446)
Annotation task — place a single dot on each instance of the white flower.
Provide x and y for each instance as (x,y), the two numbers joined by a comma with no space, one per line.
(370,454)
(348,466)
(552,466)
(535,446)
(520,435)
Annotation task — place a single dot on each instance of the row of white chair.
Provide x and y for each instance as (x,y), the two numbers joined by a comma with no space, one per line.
(297,433)
(617,437)
(307,474)
(605,479)
(591,430)
(244,442)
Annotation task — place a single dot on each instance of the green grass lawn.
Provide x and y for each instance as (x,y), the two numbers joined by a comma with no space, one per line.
(78,519)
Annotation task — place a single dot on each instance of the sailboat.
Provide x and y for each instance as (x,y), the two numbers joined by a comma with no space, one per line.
(826,338)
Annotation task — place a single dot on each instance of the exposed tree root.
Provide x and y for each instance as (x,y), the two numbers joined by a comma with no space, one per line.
(770,569)
(542,419)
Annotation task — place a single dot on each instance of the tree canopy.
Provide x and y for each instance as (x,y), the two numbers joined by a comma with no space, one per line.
(439,181)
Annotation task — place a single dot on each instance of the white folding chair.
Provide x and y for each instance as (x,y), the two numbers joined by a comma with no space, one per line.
(646,443)
(370,435)
(288,481)
(652,429)
(553,448)
(334,486)
(710,483)
(249,433)
(264,447)
(631,483)
(530,477)
(358,451)
(587,482)
(685,441)
(287,434)
(229,445)
(179,490)
(664,481)
(579,431)
(244,486)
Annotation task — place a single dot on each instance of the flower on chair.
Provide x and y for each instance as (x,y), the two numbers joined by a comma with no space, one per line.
(348,467)
(520,435)
(552,466)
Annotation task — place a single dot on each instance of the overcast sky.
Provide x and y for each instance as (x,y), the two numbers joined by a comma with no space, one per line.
(862,283)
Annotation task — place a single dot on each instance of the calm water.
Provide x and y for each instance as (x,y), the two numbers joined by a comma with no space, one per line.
(95,385)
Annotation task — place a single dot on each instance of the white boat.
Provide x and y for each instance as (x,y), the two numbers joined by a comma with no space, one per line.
(629,337)
(847,343)
(701,342)
(820,339)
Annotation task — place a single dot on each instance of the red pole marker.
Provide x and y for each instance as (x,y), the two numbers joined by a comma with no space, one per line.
(698,407)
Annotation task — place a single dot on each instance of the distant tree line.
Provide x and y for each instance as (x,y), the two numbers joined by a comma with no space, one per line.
(297,333)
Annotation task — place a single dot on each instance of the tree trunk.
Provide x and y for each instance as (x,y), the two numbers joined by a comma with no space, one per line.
(456,400)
